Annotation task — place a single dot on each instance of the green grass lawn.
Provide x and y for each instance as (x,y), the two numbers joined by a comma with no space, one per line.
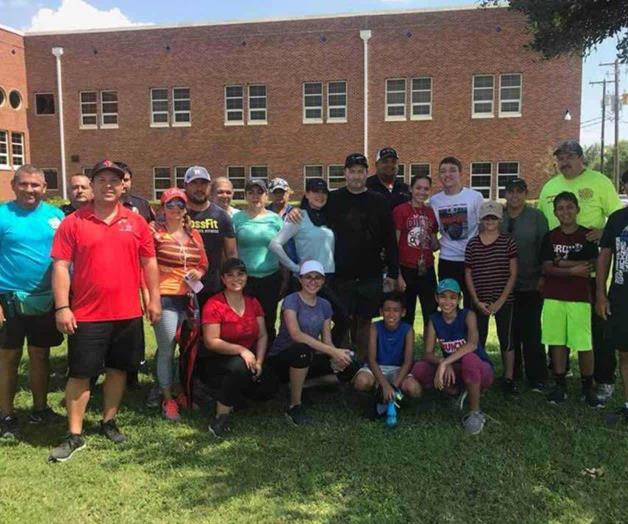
(525,467)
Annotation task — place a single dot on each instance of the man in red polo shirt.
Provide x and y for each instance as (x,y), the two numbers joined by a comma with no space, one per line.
(107,246)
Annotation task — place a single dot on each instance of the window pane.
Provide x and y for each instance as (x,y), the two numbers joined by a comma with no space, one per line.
(511,80)
(52,180)
(314,113)
(336,176)
(44,104)
(17,149)
(159,94)
(396,98)
(257,91)
(396,111)
(234,103)
(420,169)
(483,81)
(313,171)
(179,174)
(483,108)
(422,83)
(234,91)
(4,148)
(238,179)
(396,85)
(257,103)
(337,112)
(88,96)
(234,116)
(258,115)
(313,88)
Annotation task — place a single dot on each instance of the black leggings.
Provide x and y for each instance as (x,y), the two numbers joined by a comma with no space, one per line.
(503,321)
(266,291)
(424,287)
(455,270)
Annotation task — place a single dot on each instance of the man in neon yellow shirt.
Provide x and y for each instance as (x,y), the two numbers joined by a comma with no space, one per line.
(597,199)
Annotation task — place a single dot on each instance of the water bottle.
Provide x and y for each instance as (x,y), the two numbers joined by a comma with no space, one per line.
(391,414)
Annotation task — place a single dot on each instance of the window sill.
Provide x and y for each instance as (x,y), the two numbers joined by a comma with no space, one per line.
(45,114)
(160,125)
(336,120)
(182,124)
(395,119)
(509,115)
(421,117)
(481,116)
(109,126)
(5,167)
(313,121)
(258,122)
(88,127)
(234,123)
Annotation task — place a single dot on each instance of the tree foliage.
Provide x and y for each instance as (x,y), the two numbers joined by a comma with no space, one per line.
(593,160)
(561,27)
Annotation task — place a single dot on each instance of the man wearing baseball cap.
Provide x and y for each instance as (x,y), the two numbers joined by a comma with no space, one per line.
(597,199)
(385,181)
(279,192)
(528,226)
(214,225)
(135,203)
(106,245)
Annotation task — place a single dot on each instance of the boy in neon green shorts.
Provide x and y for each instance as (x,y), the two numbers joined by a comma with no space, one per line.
(568,259)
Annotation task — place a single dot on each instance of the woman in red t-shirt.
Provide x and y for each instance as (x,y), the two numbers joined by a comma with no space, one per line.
(235,334)
(416,227)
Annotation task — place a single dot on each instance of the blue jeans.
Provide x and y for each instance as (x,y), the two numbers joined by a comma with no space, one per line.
(173,311)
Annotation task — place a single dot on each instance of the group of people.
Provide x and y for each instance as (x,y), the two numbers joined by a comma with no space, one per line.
(210,279)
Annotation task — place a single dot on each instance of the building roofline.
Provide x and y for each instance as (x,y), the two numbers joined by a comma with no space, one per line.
(11,30)
(147,27)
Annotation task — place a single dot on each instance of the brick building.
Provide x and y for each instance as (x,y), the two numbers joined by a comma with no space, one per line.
(287,98)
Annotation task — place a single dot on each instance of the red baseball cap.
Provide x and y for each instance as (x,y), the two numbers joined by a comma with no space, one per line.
(172,194)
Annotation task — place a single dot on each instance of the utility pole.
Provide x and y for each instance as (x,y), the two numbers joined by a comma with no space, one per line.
(615,65)
(603,82)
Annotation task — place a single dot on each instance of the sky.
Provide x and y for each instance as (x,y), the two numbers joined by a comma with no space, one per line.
(44,15)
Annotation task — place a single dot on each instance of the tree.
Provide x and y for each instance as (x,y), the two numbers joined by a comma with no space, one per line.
(592,158)
(572,26)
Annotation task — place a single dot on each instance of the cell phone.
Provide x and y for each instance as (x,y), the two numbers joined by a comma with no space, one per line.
(194,285)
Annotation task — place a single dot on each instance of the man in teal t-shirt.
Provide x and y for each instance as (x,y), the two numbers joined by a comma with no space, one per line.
(27,226)
(597,199)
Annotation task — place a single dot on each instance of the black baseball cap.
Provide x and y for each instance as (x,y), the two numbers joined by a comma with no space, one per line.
(518,183)
(356,159)
(106,165)
(232,263)
(569,146)
(259,182)
(386,152)
(316,184)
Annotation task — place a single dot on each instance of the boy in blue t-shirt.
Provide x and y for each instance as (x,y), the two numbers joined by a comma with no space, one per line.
(390,354)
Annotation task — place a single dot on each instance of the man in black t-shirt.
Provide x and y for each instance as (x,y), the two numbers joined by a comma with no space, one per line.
(137,204)
(614,245)
(385,181)
(80,194)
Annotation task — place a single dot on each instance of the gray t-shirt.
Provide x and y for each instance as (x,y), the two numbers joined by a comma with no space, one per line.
(528,230)
(311,320)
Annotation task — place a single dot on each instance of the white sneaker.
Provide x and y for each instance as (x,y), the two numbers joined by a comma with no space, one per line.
(605,392)
(473,422)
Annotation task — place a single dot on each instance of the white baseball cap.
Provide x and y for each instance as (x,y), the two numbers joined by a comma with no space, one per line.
(311,266)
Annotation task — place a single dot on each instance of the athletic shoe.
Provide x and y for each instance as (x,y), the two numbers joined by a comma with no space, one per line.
(539,387)
(591,399)
(460,400)
(110,430)
(298,415)
(182,401)
(45,416)
(605,392)
(510,389)
(557,396)
(66,449)
(153,398)
(219,425)
(9,428)
(170,409)
(473,422)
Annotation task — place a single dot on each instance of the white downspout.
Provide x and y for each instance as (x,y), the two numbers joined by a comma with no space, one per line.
(57,52)
(365,35)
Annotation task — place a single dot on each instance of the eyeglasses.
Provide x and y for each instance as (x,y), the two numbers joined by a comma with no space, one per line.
(175,204)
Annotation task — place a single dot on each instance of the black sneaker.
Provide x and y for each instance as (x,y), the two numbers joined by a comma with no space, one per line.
(110,430)
(219,425)
(589,396)
(510,389)
(539,387)
(9,428)
(66,449)
(45,416)
(557,396)
(298,415)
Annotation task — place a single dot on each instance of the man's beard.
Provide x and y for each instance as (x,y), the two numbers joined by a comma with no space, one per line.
(198,199)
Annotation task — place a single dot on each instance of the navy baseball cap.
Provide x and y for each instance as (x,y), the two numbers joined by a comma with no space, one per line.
(356,159)
(516,182)
(386,152)
(316,184)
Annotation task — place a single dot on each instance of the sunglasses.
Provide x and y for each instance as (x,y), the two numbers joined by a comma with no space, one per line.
(175,204)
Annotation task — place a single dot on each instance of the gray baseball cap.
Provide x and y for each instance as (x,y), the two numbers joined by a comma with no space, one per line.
(196,173)
(569,146)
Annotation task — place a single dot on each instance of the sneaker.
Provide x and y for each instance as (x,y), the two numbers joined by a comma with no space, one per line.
(557,396)
(66,449)
(539,387)
(153,398)
(473,422)
(182,401)
(605,392)
(510,389)
(170,409)
(591,399)
(460,400)
(9,428)
(45,416)
(110,430)
(219,425)
(298,415)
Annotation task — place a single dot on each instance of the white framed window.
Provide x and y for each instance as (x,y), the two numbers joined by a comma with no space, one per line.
(506,171)
(259,172)
(179,174)
(312,171)
(52,178)
(15,99)
(337,101)
(89,110)
(108,109)
(181,107)
(234,105)
(257,104)
(419,169)
(481,177)
(17,149)
(401,173)
(4,149)
(313,103)
(237,175)
(421,98)
(335,176)
(396,99)
(510,88)
(44,104)
(159,113)
(161,181)
(483,96)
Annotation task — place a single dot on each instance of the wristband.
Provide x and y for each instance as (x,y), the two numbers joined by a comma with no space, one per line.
(62,307)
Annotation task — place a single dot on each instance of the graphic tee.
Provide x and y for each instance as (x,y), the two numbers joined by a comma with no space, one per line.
(575,247)
(458,218)
(451,336)
(615,238)
(416,225)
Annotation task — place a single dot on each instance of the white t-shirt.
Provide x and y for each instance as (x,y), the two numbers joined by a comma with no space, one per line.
(458,218)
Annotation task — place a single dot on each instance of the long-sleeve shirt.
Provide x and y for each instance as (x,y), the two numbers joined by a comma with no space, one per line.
(363,226)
